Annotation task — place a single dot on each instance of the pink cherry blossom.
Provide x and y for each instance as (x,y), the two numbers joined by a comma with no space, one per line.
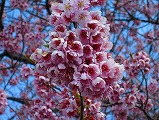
(82,17)
(3,101)
(25,71)
(106,67)
(56,43)
(93,71)
(84,35)
(87,51)
(81,4)
(57,56)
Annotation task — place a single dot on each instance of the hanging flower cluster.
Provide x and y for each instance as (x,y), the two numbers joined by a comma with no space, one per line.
(76,56)
(140,61)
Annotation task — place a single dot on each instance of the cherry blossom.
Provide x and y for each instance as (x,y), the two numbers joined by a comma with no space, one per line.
(3,101)
(25,71)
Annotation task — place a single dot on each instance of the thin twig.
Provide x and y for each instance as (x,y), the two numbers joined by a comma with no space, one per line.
(82,108)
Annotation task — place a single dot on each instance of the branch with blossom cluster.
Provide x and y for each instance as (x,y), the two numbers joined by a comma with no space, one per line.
(77,57)
(71,74)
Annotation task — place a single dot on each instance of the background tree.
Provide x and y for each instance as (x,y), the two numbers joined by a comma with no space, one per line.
(57,62)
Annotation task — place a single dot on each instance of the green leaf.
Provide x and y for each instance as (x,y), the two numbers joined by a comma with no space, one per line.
(46,45)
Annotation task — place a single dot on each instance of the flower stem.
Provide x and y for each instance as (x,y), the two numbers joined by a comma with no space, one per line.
(82,107)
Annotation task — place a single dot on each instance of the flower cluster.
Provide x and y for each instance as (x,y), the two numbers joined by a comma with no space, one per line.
(37,109)
(21,4)
(25,71)
(70,106)
(14,81)
(21,32)
(153,86)
(3,101)
(120,112)
(61,107)
(3,71)
(93,110)
(125,104)
(33,40)
(77,58)
(140,61)
(44,87)
(115,93)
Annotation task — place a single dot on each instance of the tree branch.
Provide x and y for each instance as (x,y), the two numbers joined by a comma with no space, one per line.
(110,105)
(47,7)
(1,15)
(17,57)
(20,100)
(147,115)
(82,108)
(132,17)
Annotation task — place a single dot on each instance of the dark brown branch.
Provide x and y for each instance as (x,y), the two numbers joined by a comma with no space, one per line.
(47,7)
(110,105)
(20,100)
(147,94)
(1,15)
(82,108)
(12,117)
(17,57)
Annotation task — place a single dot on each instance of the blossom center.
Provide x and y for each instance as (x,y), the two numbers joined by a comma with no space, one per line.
(82,17)
(80,4)
(68,7)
